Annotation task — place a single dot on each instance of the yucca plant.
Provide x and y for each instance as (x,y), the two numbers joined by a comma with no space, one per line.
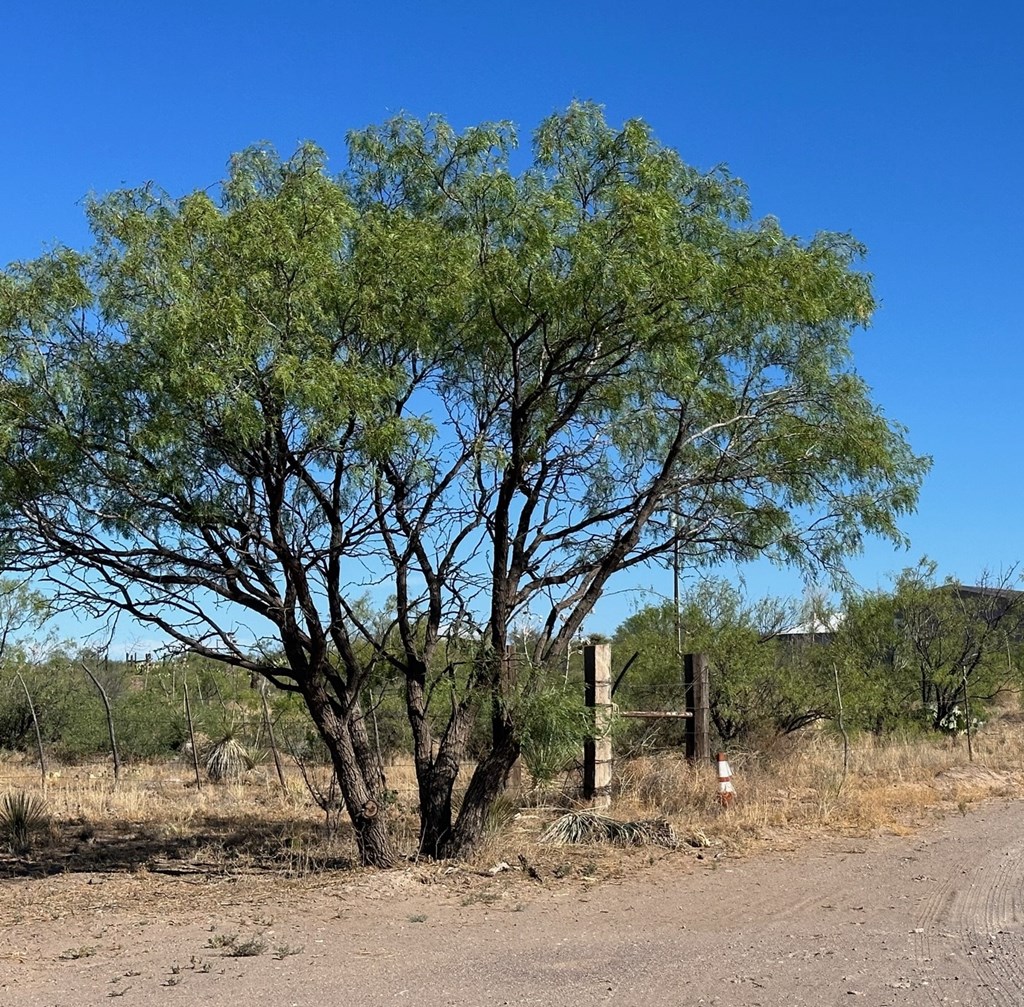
(554,723)
(21,817)
(227,759)
(504,811)
(590,827)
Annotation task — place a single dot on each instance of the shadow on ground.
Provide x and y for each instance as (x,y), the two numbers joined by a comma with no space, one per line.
(212,845)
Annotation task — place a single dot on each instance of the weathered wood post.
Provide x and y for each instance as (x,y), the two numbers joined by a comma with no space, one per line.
(698,727)
(597,750)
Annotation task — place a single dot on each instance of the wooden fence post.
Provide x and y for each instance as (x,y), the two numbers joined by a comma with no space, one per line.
(698,727)
(597,750)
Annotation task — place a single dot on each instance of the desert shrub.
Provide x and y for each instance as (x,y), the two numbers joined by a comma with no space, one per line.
(149,725)
(227,759)
(147,702)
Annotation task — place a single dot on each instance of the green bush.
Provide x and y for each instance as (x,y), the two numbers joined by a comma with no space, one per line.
(553,723)
(147,707)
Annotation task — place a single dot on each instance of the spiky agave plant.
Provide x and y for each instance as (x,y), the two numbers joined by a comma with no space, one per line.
(22,815)
(504,811)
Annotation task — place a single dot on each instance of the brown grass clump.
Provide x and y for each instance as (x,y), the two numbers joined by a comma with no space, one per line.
(588,826)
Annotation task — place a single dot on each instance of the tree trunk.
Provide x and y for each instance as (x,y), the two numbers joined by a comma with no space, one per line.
(437,786)
(492,772)
(489,780)
(435,791)
(435,774)
(368,758)
(364,805)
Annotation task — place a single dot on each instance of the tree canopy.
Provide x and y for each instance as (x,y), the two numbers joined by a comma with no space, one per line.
(438,387)
(931,647)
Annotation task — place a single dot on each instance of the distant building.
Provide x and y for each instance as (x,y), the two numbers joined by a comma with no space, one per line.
(816,630)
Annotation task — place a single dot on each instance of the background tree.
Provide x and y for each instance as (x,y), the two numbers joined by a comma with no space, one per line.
(654,679)
(763,683)
(880,685)
(22,611)
(469,393)
(914,648)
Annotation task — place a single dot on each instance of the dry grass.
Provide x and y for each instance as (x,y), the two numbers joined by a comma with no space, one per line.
(158,825)
(799,786)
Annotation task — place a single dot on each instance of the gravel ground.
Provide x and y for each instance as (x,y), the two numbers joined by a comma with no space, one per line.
(932,918)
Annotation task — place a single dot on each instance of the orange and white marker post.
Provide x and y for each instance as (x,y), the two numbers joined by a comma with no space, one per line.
(726,791)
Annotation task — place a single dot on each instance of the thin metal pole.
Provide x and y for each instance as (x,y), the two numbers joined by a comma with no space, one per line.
(192,736)
(967,717)
(39,734)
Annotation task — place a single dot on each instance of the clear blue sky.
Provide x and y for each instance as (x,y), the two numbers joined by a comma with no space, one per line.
(899,122)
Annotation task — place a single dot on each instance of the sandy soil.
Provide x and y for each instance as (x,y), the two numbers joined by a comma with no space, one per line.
(933,918)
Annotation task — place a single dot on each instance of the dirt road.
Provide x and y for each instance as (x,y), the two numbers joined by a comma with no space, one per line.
(933,918)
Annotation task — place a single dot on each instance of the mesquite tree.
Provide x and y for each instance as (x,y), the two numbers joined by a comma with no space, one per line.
(925,648)
(437,389)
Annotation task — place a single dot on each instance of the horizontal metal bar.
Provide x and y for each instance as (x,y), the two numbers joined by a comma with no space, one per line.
(643,715)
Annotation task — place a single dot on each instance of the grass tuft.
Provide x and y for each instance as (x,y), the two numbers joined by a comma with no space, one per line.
(248,948)
(236,946)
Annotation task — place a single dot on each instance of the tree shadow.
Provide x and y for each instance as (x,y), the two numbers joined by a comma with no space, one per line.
(211,845)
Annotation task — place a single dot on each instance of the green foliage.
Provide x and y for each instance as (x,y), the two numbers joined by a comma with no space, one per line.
(879,686)
(901,657)
(64,704)
(762,684)
(912,652)
(553,725)
(147,708)
(21,610)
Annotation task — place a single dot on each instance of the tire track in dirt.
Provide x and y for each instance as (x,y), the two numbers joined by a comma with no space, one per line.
(968,938)
(936,923)
(991,914)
